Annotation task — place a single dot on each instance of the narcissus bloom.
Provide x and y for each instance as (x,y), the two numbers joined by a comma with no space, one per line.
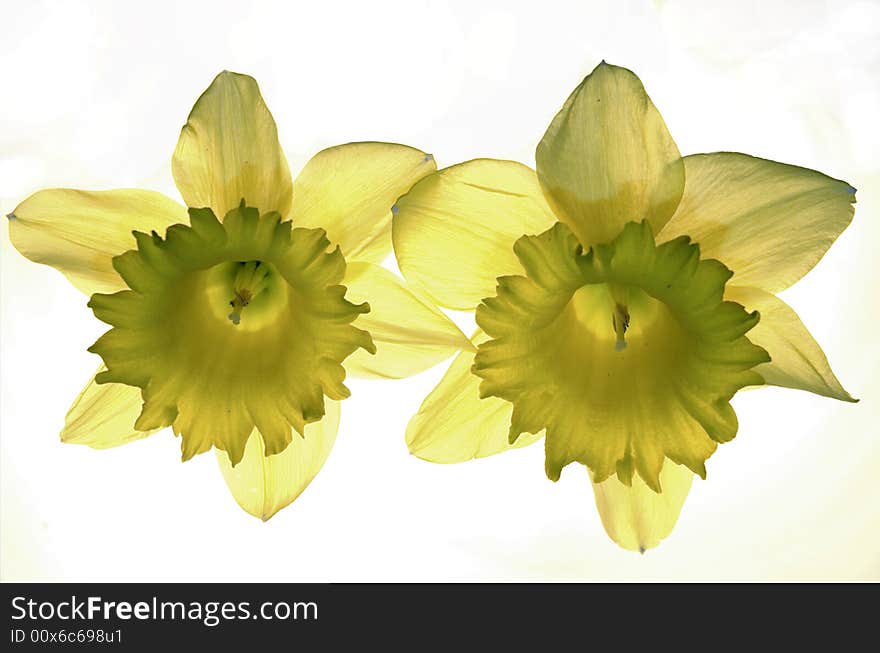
(235,321)
(624,294)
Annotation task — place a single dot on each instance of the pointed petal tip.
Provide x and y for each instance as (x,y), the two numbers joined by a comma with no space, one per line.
(230,73)
(642,549)
(262,514)
(65,437)
(11,216)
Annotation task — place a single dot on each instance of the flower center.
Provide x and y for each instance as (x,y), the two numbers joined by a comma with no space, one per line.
(639,326)
(248,295)
(617,299)
(250,280)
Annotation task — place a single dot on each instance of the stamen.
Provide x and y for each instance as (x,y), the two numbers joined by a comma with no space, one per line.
(251,279)
(620,320)
(243,297)
(620,314)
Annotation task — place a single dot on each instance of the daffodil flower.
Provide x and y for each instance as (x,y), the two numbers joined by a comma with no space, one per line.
(634,298)
(235,321)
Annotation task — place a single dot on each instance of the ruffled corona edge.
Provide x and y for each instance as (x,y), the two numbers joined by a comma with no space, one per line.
(211,379)
(556,354)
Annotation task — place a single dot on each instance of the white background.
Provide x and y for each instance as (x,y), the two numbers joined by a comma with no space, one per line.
(94,95)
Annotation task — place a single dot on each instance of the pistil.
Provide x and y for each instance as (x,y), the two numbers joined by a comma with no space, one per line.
(620,320)
(620,314)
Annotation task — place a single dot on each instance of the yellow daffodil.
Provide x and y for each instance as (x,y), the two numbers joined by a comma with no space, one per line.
(624,294)
(235,321)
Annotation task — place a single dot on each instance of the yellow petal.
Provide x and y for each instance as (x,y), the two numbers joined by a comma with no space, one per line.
(636,517)
(410,333)
(103,415)
(768,222)
(454,425)
(797,360)
(79,232)
(263,485)
(608,159)
(228,150)
(454,231)
(349,190)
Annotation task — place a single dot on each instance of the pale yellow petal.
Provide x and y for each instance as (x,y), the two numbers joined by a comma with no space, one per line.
(264,485)
(103,415)
(454,425)
(636,517)
(797,360)
(409,332)
(608,159)
(768,222)
(349,190)
(454,231)
(79,232)
(228,151)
